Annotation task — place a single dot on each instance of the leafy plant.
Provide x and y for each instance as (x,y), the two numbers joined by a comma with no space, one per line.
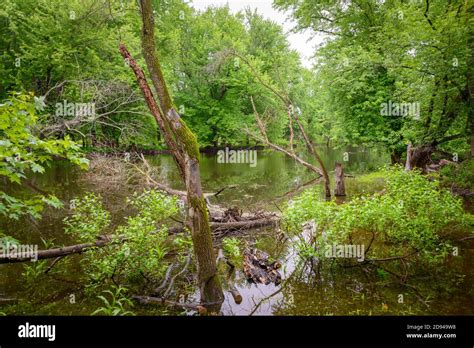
(116,305)
(382,274)
(138,247)
(33,271)
(89,220)
(5,240)
(413,214)
(23,152)
(231,249)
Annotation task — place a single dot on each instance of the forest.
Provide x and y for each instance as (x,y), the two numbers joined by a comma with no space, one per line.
(159,158)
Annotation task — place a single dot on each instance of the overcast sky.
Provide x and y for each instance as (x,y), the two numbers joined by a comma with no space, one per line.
(298,41)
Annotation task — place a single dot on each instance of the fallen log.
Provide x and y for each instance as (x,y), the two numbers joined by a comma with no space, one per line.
(4,300)
(219,230)
(432,168)
(235,293)
(230,285)
(219,227)
(62,251)
(259,269)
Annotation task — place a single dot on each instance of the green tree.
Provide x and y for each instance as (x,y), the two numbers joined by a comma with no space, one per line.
(23,153)
(404,52)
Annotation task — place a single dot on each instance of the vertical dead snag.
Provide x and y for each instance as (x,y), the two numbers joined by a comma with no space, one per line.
(340,189)
(408,163)
(184,147)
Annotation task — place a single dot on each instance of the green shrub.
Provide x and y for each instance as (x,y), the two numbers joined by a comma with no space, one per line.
(413,214)
(231,248)
(23,153)
(89,220)
(458,177)
(138,247)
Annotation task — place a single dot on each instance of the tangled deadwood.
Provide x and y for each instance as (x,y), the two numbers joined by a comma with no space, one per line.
(259,268)
(232,214)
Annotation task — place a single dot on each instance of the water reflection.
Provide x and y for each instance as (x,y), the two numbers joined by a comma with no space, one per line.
(254,188)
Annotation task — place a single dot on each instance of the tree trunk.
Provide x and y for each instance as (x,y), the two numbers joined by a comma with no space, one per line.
(421,156)
(198,222)
(340,189)
(312,150)
(470,82)
(184,147)
(472,138)
(396,156)
(327,187)
(408,163)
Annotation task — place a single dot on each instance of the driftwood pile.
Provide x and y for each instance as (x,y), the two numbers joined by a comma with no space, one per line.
(232,215)
(259,268)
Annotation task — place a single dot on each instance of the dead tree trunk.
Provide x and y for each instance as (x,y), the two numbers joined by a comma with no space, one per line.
(313,151)
(290,152)
(419,156)
(184,147)
(291,115)
(408,165)
(340,189)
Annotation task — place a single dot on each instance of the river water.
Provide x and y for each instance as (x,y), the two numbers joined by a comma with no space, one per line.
(332,292)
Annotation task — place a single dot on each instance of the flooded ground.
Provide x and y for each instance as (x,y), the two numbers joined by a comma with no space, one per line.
(330,291)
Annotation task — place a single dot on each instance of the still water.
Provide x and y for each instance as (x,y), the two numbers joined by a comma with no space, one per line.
(331,292)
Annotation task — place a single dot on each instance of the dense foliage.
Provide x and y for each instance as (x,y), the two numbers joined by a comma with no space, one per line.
(414,52)
(22,152)
(386,73)
(72,55)
(459,178)
(412,214)
(375,53)
(137,250)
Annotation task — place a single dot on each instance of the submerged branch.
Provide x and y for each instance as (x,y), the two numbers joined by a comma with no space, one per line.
(162,301)
(219,229)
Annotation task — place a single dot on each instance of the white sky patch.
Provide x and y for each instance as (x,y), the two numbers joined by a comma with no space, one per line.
(302,42)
